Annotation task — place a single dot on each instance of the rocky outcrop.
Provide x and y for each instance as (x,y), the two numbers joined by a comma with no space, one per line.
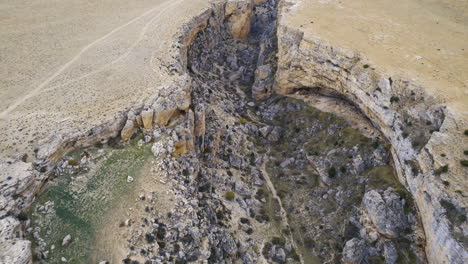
(386,212)
(12,248)
(416,124)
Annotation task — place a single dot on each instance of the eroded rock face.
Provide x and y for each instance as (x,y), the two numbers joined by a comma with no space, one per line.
(239,13)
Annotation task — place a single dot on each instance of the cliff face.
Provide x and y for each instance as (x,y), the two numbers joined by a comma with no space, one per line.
(426,134)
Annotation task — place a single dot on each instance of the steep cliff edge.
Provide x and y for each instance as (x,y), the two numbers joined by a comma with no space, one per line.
(423,122)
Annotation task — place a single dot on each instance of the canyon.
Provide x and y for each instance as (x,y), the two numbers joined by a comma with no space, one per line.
(274,136)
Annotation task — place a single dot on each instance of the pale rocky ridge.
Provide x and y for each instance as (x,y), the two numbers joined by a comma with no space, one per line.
(302,63)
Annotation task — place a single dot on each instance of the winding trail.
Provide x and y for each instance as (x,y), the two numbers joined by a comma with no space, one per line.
(284,216)
(162,8)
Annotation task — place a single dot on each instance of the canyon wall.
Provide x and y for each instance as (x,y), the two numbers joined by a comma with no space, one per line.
(426,135)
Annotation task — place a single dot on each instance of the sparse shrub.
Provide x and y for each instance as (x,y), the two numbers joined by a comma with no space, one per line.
(229,195)
(466,132)
(365,66)
(22,216)
(343,169)
(462,218)
(465,152)
(446,183)
(443,169)
(464,163)
(309,242)
(279,241)
(395,99)
(332,172)
(242,120)
(73,162)
(149,238)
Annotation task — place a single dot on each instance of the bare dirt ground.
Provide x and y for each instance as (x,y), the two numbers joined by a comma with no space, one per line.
(422,40)
(68,66)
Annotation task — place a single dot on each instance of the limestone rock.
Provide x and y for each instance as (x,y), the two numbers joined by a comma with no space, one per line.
(354,251)
(147,118)
(386,212)
(239,13)
(128,130)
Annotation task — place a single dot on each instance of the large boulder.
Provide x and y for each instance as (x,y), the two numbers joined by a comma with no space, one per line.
(386,212)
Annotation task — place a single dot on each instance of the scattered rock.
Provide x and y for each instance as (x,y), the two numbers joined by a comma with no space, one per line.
(66,240)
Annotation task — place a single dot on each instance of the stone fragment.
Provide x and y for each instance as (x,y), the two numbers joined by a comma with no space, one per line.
(128,130)
(66,240)
(130,179)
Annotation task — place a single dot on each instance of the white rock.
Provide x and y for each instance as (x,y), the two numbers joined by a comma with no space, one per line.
(66,240)
(130,179)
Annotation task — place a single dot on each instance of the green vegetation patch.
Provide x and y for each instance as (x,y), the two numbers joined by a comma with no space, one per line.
(81,200)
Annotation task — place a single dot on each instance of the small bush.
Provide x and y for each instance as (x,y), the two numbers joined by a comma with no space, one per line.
(279,241)
(464,163)
(149,238)
(465,152)
(446,183)
(230,195)
(365,66)
(332,172)
(73,162)
(466,132)
(395,99)
(242,120)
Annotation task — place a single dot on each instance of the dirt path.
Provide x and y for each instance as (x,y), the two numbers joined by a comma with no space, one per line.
(284,216)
